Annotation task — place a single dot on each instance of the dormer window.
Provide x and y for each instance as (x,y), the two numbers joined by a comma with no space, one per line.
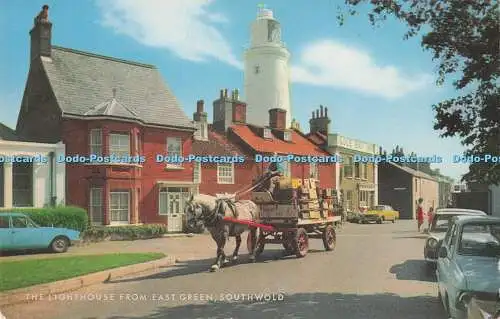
(267,133)
(287,136)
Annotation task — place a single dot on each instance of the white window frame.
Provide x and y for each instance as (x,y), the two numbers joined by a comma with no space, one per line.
(197,172)
(267,133)
(287,136)
(225,179)
(313,170)
(121,222)
(95,141)
(93,205)
(119,150)
(350,164)
(287,167)
(172,153)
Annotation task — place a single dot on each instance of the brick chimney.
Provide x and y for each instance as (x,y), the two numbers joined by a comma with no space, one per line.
(320,122)
(277,119)
(200,120)
(228,110)
(239,108)
(41,35)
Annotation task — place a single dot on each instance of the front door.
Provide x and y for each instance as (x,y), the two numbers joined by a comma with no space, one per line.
(175,210)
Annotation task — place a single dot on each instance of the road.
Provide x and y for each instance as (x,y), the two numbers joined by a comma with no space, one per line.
(376,271)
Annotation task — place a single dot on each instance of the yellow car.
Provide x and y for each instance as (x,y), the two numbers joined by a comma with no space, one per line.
(385,213)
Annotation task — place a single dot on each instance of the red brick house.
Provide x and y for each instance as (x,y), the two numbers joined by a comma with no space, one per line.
(230,135)
(107,106)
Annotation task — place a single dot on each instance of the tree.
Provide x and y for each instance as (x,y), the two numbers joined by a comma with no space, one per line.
(464,37)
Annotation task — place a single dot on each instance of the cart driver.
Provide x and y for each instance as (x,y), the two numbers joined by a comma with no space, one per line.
(274,168)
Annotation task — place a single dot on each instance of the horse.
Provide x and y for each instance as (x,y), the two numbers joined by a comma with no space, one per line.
(212,210)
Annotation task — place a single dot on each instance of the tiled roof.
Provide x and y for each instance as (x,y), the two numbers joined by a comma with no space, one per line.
(216,145)
(7,134)
(414,172)
(83,84)
(299,145)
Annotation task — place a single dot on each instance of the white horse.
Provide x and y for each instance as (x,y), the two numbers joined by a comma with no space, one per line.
(212,210)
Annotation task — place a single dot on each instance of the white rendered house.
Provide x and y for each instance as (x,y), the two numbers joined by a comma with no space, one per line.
(36,183)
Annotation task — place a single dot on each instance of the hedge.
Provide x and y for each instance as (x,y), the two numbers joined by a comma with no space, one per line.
(132,232)
(63,216)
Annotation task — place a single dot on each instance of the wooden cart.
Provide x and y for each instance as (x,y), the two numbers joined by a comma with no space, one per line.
(295,215)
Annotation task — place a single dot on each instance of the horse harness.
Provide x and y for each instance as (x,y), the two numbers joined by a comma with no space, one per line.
(218,214)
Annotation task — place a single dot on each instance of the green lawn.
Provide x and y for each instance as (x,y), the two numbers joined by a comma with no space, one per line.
(29,272)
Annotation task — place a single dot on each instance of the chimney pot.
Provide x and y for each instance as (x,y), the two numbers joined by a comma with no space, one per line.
(225,93)
(221,94)
(313,114)
(321,110)
(236,95)
(326,112)
(199,106)
(317,114)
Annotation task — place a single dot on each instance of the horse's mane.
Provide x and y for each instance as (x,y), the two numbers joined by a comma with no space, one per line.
(207,201)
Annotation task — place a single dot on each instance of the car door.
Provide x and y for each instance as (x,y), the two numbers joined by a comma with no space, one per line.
(5,232)
(391,214)
(443,271)
(24,235)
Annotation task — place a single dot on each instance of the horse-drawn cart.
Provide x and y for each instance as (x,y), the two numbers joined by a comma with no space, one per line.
(293,216)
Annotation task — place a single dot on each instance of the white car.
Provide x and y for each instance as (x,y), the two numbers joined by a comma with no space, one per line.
(438,228)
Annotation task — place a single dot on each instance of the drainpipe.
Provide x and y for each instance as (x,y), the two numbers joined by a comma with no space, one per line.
(51,179)
(490,201)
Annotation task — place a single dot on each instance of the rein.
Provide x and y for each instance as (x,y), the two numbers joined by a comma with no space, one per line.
(259,183)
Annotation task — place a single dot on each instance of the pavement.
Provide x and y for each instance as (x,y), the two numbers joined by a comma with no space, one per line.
(376,271)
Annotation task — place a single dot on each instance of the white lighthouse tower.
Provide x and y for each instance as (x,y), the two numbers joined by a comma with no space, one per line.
(267,76)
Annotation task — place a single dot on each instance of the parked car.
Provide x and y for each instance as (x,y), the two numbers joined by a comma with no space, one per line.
(19,232)
(438,228)
(467,263)
(479,309)
(385,213)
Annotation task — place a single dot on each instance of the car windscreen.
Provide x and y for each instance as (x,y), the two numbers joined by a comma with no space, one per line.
(482,239)
(440,223)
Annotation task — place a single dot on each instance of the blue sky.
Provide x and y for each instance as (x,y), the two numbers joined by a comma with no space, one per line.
(377,87)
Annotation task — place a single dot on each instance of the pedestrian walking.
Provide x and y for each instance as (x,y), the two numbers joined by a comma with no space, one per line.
(420,213)
(430,216)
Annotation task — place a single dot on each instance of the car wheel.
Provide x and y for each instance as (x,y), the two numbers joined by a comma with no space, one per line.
(379,221)
(60,244)
(360,221)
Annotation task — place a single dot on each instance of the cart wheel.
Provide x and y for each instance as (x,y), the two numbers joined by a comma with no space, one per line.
(301,243)
(329,238)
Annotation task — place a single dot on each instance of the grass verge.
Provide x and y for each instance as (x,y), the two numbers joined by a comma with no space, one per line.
(29,272)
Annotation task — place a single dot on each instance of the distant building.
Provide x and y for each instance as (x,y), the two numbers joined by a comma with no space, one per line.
(357,181)
(401,187)
(445,191)
(30,183)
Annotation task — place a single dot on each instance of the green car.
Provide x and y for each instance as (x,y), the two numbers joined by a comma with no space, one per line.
(19,232)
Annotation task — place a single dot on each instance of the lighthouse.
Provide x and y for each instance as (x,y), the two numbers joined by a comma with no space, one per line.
(267,75)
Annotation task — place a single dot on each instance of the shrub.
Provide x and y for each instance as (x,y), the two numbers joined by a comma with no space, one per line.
(61,216)
(132,232)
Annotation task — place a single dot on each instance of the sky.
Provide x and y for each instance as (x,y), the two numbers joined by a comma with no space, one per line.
(378,87)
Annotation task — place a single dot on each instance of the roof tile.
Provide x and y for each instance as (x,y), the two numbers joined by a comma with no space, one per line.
(299,145)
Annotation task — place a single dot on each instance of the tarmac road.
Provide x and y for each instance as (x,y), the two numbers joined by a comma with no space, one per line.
(376,271)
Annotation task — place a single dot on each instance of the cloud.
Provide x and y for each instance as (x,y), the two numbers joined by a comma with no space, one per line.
(185,27)
(332,64)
